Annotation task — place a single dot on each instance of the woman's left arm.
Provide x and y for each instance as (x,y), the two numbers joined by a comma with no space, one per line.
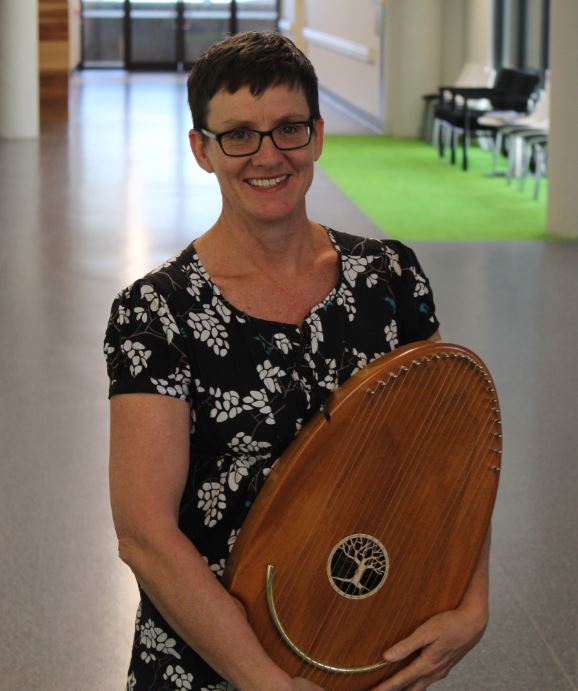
(445,638)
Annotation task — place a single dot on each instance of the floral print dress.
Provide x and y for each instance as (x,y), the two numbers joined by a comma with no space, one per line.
(251,385)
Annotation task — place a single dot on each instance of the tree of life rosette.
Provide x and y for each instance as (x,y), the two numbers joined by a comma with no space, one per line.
(358,566)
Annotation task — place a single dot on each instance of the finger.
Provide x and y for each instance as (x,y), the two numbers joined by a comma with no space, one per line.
(421,637)
(426,682)
(405,678)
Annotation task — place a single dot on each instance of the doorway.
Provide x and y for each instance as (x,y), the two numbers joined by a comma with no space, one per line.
(165,34)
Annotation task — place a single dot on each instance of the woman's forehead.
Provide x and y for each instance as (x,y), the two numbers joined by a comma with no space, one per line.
(275,102)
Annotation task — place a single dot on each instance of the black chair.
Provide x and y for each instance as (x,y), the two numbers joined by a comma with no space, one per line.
(512,91)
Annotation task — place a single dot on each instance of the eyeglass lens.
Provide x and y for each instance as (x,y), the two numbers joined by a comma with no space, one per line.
(288,136)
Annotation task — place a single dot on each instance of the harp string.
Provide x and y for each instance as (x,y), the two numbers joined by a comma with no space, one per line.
(471,467)
(447,432)
(401,395)
(360,428)
(422,376)
(362,422)
(475,471)
(359,437)
(285,604)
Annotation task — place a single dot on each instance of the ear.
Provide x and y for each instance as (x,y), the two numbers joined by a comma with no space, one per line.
(198,146)
(319,126)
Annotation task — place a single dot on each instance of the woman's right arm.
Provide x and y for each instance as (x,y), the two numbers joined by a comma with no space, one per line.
(149,458)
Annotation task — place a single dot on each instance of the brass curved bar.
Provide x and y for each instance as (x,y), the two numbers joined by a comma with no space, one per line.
(297,650)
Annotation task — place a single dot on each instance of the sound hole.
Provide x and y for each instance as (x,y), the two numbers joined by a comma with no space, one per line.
(358,566)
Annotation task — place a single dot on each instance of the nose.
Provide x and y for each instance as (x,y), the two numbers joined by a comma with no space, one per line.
(268,153)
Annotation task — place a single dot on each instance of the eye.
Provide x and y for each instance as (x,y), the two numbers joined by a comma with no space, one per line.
(240,135)
(290,128)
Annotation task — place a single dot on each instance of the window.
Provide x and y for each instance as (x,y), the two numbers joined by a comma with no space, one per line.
(521,30)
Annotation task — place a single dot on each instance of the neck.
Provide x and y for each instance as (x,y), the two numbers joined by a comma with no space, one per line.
(284,247)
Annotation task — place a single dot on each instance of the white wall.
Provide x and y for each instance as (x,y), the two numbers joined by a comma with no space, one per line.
(563,141)
(343,41)
(478,31)
(20,100)
(413,61)
(74,34)
(454,14)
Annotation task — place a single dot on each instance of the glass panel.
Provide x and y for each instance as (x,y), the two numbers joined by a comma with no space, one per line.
(534,34)
(206,22)
(510,35)
(257,15)
(153,32)
(103,33)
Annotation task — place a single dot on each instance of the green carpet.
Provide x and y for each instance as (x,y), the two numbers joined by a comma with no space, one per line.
(412,194)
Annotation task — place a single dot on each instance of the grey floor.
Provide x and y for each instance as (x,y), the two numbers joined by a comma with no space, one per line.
(92,206)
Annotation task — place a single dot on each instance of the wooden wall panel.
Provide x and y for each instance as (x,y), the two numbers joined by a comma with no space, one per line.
(53,59)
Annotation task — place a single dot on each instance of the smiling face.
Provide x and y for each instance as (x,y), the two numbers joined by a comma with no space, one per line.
(269,186)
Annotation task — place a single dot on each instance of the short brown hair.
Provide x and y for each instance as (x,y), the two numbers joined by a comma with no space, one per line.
(254,59)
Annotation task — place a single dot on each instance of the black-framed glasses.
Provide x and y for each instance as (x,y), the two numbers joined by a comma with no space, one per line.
(243,141)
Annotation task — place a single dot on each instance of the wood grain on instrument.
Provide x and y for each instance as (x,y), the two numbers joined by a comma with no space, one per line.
(410,458)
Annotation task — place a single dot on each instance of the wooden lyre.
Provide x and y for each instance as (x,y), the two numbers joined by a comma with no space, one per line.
(373,519)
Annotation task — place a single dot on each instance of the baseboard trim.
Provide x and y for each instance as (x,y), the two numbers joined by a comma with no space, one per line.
(362,117)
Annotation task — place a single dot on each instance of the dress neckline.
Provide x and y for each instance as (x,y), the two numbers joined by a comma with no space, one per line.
(245,316)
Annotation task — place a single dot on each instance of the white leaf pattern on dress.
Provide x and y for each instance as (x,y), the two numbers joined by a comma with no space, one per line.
(123,315)
(154,638)
(282,343)
(330,381)
(221,308)
(258,400)
(232,539)
(137,354)
(269,375)
(151,296)
(226,406)
(218,569)
(177,384)
(196,281)
(353,266)
(371,280)
(141,314)
(238,471)
(208,329)
(212,501)
(420,284)
(346,299)
(391,334)
(178,676)
(361,361)
(316,327)
(393,257)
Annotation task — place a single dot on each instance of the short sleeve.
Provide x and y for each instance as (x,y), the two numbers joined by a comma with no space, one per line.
(144,349)
(416,312)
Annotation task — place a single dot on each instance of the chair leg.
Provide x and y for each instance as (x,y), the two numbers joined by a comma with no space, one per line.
(453,145)
(465,147)
(497,151)
(540,171)
(442,137)
(525,167)
(513,158)
(435,137)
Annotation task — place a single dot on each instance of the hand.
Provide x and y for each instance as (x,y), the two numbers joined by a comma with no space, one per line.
(300,684)
(442,641)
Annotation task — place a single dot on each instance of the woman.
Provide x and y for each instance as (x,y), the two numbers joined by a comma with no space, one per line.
(217,359)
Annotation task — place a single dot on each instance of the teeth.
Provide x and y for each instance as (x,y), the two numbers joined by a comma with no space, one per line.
(271,182)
